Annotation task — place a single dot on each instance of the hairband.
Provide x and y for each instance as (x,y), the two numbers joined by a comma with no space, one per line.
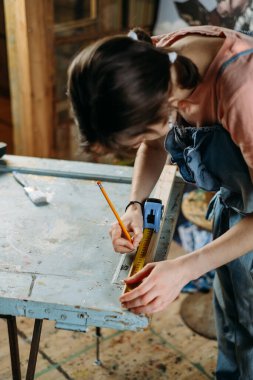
(172,56)
(132,35)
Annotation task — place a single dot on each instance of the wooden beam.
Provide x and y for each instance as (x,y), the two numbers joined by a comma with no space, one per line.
(29,33)
(163,191)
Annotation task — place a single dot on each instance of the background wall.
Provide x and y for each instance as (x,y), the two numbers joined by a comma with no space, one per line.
(33,75)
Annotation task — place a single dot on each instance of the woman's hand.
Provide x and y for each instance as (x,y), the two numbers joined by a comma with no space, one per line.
(161,283)
(133,221)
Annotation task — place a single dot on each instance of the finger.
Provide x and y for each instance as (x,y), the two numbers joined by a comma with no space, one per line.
(138,234)
(156,308)
(142,301)
(143,288)
(122,245)
(123,250)
(115,231)
(139,276)
(153,307)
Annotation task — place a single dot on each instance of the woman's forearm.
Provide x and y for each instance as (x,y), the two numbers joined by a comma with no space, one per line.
(149,162)
(233,244)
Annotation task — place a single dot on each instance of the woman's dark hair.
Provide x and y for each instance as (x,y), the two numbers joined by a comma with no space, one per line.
(119,84)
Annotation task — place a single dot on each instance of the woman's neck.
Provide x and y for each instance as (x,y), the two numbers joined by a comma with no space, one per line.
(201,50)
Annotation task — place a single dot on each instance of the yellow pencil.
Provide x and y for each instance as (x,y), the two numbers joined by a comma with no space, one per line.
(126,233)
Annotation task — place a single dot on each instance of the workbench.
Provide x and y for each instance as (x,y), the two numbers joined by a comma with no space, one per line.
(57,260)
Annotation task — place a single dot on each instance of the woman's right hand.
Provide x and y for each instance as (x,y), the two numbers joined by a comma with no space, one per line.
(133,221)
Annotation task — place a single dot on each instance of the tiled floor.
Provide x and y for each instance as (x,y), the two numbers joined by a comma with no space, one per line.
(166,350)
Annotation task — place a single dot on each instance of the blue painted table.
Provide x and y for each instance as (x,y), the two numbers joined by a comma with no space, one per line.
(56,260)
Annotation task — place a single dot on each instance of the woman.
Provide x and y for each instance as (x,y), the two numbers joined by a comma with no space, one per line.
(122,91)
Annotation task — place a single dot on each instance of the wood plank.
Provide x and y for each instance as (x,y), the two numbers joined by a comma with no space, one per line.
(29,30)
(170,222)
(170,190)
(163,191)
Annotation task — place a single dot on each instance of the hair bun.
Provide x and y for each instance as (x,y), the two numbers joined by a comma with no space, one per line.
(132,35)
(141,35)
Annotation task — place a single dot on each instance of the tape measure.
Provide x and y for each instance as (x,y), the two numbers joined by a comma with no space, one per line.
(153,209)
(140,256)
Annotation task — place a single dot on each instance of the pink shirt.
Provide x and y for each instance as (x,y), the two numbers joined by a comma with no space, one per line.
(228,100)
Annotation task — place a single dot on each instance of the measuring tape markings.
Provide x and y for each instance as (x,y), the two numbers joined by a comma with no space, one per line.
(140,257)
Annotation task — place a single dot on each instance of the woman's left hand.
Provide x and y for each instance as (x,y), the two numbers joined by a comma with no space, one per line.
(161,283)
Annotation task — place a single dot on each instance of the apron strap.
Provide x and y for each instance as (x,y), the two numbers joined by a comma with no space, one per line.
(231,60)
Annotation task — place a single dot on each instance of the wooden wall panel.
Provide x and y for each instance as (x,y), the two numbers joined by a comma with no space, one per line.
(29,27)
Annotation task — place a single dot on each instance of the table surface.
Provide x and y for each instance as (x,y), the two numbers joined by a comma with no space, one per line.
(56,260)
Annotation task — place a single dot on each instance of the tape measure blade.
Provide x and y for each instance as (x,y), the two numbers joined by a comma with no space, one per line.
(140,257)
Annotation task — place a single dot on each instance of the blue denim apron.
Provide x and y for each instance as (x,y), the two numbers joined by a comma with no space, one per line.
(208,157)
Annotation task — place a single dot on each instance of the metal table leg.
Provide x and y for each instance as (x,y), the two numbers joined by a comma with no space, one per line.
(34,349)
(98,339)
(13,344)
